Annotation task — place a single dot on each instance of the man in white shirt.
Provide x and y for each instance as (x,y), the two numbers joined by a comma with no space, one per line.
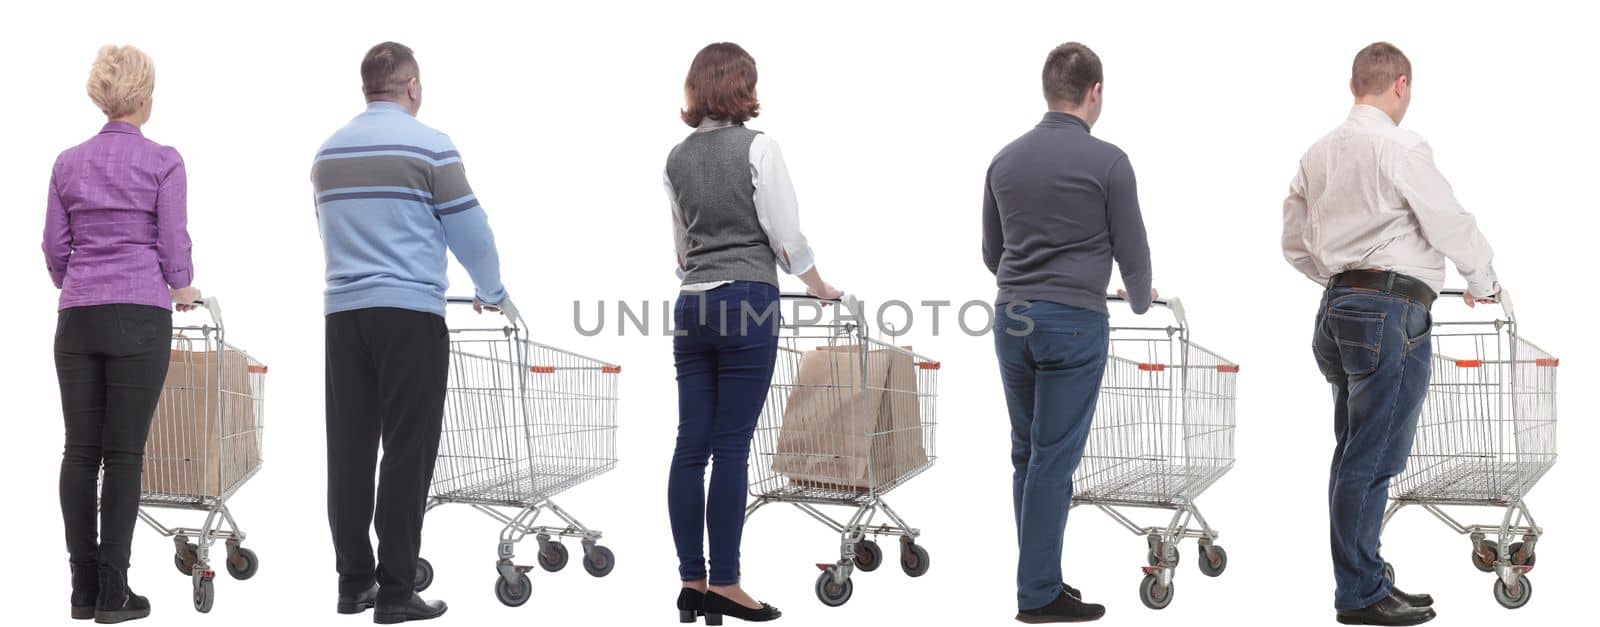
(1370,217)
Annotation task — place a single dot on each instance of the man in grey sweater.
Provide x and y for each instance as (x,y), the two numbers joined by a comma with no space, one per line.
(1058,206)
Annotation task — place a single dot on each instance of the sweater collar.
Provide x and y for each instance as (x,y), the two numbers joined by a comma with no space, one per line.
(1057,119)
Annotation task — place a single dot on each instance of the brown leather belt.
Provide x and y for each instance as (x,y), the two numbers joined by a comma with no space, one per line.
(1384,281)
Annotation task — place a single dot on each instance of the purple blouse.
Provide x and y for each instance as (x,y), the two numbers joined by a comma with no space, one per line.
(115,227)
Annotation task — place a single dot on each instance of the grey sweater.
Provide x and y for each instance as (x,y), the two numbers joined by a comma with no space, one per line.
(1058,206)
(710,177)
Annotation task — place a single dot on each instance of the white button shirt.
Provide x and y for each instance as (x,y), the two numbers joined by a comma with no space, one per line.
(777,210)
(1368,197)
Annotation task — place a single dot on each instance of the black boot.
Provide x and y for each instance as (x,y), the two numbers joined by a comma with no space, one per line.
(85,590)
(717,606)
(114,601)
(1389,611)
(691,603)
(1067,608)
(413,608)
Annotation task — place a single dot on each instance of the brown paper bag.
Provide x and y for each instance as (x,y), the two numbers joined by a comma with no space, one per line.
(845,428)
(205,436)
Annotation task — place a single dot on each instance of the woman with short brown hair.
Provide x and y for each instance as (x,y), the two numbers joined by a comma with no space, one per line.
(735,222)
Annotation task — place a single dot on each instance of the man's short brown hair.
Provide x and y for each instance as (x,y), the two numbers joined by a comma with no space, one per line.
(721,85)
(386,69)
(1376,67)
(1071,70)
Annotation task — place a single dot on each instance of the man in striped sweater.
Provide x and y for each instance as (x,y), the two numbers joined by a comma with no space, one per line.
(391,197)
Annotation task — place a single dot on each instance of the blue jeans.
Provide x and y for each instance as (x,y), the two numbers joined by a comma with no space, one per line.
(724,355)
(1375,349)
(1052,380)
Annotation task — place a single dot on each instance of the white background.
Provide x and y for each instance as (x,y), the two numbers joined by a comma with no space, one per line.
(888,117)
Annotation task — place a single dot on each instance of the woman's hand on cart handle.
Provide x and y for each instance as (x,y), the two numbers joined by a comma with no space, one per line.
(186,298)
(818,288)
(504,307)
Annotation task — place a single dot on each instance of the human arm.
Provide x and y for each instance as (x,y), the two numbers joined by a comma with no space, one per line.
(1128,239)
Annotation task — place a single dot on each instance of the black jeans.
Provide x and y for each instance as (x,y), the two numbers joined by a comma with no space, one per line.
(111,361)
(385,378)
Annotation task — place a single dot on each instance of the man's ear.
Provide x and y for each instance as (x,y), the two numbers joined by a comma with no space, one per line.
(1353,88)
(1096,90)
(1400,84)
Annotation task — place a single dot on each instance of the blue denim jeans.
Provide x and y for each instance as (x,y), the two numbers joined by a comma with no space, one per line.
(1052,376)
(1375,349)
(724,356)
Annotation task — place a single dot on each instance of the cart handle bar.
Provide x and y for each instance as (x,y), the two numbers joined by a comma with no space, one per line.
(848,301)
(1503,298)
(1172,304)
(516,321)
(212,307)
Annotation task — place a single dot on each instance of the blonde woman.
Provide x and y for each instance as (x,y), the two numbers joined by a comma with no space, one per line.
(117,247)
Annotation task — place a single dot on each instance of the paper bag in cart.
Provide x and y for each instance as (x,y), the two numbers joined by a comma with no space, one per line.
(205,436)
(845,429)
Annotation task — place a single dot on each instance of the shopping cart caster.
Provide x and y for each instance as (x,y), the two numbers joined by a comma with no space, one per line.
(204,594)
(830,592)
(1154,594)
(1213,560)
(1519,558)
(913,559)
(868,555)
(552,555)
(424,574)
(1173,557)
(242,563)
(513,593)
(1484,554)
(1514,596)
(185,556)
(598,561)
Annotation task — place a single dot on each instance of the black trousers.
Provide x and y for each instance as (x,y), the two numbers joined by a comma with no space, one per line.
(385,374)
(111,361)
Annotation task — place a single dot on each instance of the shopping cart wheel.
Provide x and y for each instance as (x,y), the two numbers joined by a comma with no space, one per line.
(552,555)
(1154,595)
(184,559)
(424,574)
(1213,560)
(242,563)
(913,559)
(1513,597)
(599,561)
(1522,560)
(204,596)
(1484,554)
(516,593)
(833,594)
(869,556)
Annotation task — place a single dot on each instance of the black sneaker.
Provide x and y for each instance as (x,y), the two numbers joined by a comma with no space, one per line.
(1067,608)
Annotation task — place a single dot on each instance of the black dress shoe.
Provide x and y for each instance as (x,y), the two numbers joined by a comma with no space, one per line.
(1413,600)
(356,603)
(1390,612)
(691,603)
(716,606)
(413,608)
(1067,608)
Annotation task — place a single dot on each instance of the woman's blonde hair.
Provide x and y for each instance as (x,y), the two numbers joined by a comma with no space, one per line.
(123,76)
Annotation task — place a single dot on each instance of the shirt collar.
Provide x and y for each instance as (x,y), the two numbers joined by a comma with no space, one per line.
(1371,115)
(1058,119)
(384,106)
(709,124)
(120,127)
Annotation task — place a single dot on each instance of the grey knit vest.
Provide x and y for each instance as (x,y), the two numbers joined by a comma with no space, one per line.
(710,175)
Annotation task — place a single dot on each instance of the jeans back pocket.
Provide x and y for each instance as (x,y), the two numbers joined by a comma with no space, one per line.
(1359,335)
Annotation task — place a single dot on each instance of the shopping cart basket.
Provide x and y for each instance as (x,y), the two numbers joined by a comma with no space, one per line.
(204,443)
(524,422)
(1162,434)
(1486,435)
(848,419)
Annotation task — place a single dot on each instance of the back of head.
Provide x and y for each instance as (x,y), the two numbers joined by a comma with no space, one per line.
(1376,68)
(1070,73)
(122,81)
(386,70)
(721,85)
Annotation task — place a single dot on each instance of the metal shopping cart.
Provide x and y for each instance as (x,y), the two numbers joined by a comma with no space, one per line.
(1162,434)
(524,422)
(848,419)
(204,444)
(1486,435)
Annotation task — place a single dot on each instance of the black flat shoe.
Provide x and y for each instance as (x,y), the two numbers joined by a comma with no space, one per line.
(717,606)
(691,603)
(1067,608)
(411,609)
(1413,600)
(1389,612)
(358,602)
